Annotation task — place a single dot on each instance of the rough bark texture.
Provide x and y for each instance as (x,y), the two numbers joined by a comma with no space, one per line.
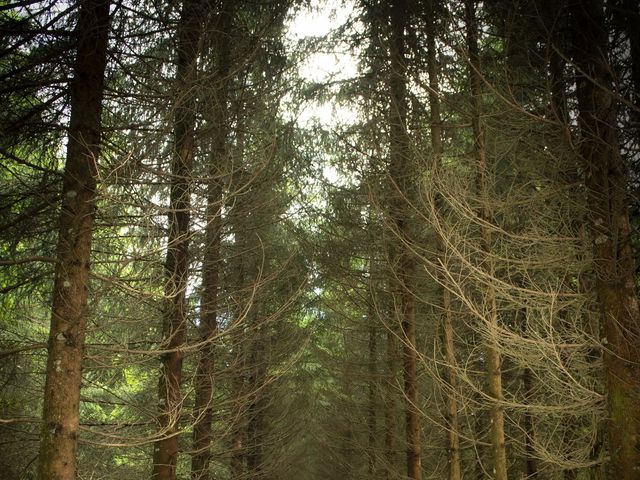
(165,454)
(71,283)
(403,262)
(204,380)
(606,181)
(493,357)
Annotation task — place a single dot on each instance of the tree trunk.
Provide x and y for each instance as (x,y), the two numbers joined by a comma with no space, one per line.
(256,407)
(204,380)
(626,16)
(61,415)
(531,466)
(403,261)
(606,181)
(165,454)
(372,363)
(243,314)
(493,356)
(453,439)
(390,406)
(257,384)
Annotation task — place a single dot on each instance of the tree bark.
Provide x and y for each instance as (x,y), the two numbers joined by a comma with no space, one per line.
(493,356)
(372,362)
(165,454)
(244,314)
(453,439)
(204,380)
(61,413)
(403,261)
(257,406)
(614,265)
(390,404)
(531,465)
(626,15)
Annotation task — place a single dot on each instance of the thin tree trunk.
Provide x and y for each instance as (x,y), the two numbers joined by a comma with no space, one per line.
(256,408)
(204,380)
(531,466)
(453,439)
(606,182)
(390,404)
(626,15)
(492,349)
(239,408)
(373,374)
(61,414)
(559,113)
(165,454)
(243,310)
(478,430)
(403,261)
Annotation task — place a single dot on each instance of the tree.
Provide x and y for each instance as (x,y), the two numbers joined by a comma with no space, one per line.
(451,383)
(615,282)
(204,407)
(494,360)
(402,263)
(71,284)
(189,35)
(438,281)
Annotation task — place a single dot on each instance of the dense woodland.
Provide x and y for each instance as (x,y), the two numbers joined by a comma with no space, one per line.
(200,280)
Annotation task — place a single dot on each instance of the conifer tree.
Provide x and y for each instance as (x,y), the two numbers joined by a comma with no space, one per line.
(61,417)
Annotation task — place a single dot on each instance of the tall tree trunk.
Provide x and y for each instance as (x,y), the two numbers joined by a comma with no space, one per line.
(204,380)
(606,181)
(390,404)
(531,465)
(403,261)
(372,324)
(256,407)
(61,415)
(453,439)
(493,356)
(257,370)
(626,15)
(243,312)
(165,454)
